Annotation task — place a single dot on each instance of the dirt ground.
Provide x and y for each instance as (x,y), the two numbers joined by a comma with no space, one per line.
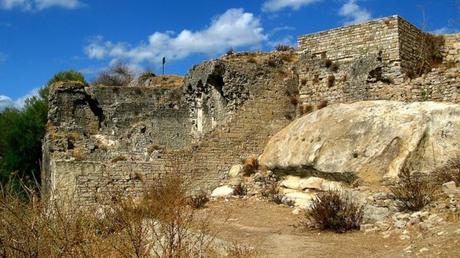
(273,230)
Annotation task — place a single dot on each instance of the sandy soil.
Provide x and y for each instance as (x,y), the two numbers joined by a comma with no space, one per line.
(273,230)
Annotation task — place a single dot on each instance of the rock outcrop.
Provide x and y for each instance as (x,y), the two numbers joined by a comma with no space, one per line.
(371,140)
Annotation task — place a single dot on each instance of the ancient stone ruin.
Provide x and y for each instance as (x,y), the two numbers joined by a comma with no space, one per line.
(101,139)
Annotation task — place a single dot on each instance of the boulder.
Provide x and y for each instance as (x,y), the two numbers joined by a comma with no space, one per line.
(373,214)
(368,139)
(300,199)
(235,171)
(313,183)
(223,191)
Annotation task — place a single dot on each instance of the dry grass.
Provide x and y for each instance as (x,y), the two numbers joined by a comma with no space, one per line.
(334,211)
(161,224)
(413,191)
(240,251)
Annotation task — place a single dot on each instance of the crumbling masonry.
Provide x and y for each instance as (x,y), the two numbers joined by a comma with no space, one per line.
(102,139)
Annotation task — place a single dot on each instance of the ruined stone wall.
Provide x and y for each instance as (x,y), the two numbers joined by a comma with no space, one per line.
(92,152)
(107,125)
(375,60)
(348,43)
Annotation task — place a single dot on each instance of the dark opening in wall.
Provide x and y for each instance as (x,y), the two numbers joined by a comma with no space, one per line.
(217,81)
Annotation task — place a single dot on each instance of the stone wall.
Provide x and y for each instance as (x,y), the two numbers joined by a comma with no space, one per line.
(111,139)
(105,139)
(385,66)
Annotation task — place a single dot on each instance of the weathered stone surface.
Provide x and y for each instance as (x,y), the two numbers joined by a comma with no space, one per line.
(235,171)
(223,191)
(370,139)
(300,199)
(313,183)
(373,214)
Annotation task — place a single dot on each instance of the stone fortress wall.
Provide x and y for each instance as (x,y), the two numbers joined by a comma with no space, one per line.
(103,139)
(376,60)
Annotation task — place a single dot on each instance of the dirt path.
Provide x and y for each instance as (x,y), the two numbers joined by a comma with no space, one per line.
(272,229)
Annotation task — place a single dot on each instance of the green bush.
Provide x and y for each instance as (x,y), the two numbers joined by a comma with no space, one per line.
(70,75)
(20,141)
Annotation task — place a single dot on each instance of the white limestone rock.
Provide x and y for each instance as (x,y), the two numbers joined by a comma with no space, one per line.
(222,191)
(369,139)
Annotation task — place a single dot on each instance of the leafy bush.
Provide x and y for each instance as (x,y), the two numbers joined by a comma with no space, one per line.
(70,75)
(117,75)
(334,211)
(20,141)
(413,191)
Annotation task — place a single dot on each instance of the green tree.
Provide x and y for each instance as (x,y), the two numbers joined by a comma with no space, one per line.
(21,134)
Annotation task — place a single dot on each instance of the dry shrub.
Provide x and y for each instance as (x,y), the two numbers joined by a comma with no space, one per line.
(241,251)
(198,201)
(322,105)
(413,191)
(282,48)
(330,80)
(294,100)
(271,192)
(334,211)
(230,52)
(161,224)
(305,109)
(117,75)
(250,165)
(30,228)
(252,60)
(430,54)
(240,190)
(450,172)
(328,63)
(334,67)
(303,81)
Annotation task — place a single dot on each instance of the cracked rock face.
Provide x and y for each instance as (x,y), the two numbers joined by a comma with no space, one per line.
(371,139)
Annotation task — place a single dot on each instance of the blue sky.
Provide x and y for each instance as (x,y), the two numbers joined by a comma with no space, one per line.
(41,37)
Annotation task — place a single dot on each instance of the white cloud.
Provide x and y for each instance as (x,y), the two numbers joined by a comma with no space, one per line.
(354,13)
(277,5)
(445,30)
(234,28)
(18,103)
(38,5)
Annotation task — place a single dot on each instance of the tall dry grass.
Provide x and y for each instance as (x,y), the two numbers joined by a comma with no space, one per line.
(160,224)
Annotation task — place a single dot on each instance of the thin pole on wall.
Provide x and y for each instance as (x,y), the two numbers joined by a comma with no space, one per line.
(163,62)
